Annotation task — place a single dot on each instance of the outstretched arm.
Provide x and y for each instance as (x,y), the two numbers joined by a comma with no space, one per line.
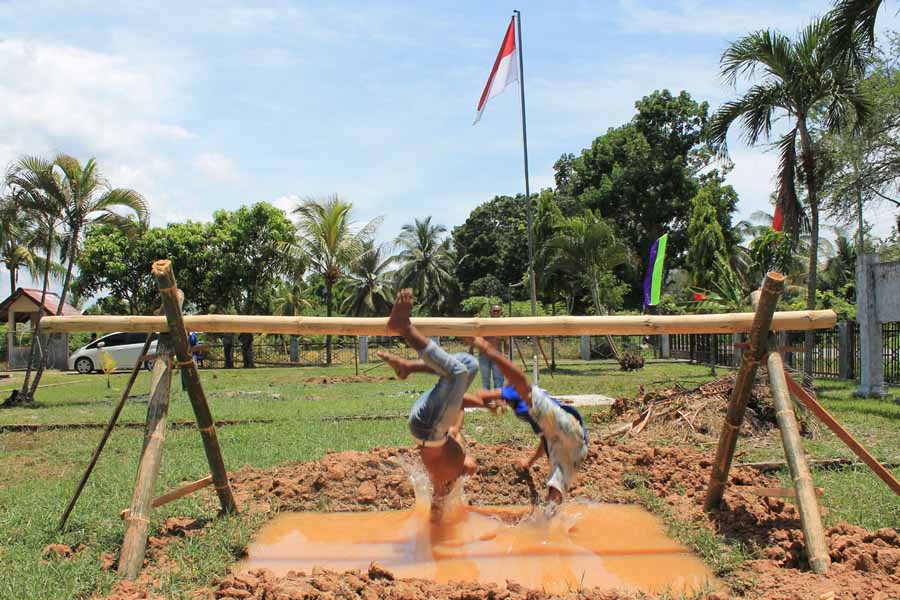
(526,463)
(511,372)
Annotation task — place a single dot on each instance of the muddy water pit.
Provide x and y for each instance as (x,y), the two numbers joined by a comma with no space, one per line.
(585,545)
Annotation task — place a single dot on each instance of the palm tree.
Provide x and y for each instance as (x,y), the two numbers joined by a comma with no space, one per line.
(427,263)
(807,83)
(588,248)
(88,199)
(370,281)
(292,299)
(331,242)
(28,179)
(854,28)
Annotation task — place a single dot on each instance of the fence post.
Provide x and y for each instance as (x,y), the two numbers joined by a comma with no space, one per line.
(363,349)
(845,356)
(585,347)
(665,350)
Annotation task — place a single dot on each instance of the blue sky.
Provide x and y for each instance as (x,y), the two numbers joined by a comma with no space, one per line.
(202,106)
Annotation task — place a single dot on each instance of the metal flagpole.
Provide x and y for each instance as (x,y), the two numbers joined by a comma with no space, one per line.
(531,284)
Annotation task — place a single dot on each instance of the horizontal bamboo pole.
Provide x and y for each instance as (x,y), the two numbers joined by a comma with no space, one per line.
(449,326)
(780,492)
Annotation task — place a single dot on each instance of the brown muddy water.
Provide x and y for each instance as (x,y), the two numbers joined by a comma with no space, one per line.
(609,546)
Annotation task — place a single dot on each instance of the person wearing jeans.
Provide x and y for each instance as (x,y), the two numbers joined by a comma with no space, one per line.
(491,375)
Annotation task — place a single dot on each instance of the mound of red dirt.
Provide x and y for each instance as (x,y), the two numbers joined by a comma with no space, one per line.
(865,565)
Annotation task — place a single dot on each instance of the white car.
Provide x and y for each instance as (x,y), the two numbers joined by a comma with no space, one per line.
(124,348)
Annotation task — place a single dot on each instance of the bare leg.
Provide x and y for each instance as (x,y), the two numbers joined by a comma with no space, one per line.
(404,367)
(400,324)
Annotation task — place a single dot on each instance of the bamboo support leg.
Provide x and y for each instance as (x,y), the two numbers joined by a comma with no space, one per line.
(808,505)
(858,449)
(106,433)
(743,385)
(134,546)
(165,279)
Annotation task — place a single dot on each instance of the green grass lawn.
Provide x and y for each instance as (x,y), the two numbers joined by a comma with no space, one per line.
(38,470)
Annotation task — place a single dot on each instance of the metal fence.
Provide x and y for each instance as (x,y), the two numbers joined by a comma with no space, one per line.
(827,360)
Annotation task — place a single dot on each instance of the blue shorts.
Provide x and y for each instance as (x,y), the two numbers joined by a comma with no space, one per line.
(438,409)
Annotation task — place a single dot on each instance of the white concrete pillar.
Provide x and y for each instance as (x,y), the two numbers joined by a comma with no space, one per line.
(871,357)
(363,341)
(585,347)
(665,349)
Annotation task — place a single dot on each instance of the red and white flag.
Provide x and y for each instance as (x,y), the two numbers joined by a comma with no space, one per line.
(505,71)
(778,220)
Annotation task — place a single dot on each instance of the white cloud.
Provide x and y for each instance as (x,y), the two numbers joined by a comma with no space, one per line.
(286,203)
(54,93)
(217,167)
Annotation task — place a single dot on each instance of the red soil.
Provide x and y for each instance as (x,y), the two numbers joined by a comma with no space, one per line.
(866,565)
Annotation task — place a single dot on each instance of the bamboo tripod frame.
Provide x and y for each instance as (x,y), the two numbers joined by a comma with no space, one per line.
(804,492)
(173,350)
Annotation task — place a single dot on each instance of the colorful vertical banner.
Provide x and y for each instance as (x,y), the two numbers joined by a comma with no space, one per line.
(653,279)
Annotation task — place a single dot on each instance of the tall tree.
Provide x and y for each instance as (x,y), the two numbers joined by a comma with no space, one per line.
(332,242)
(492,247)
(29,179)
(804,81)
(369,281)
(643,175)
(707,249)
(427,263)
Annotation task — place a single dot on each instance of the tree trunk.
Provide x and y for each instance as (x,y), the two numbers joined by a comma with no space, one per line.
(73,248)
(328,308)
(809,164)
(27,392)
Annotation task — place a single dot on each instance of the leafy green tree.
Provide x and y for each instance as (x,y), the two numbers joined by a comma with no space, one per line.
(426,263)
(18,242)
(771,250)
(492,247)
(802,80)
(707,249)
(369,282)
(644,174)
(117,266)
(245,246)
(330,240)
(724,293)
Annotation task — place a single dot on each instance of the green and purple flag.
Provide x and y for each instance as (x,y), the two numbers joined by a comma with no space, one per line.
(653,279)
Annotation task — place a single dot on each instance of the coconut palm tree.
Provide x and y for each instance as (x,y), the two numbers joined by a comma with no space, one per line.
(28,179)
(804,82)
(370,282)
(589,249)
(291,299)
(88,199)
(331,242)
(427,263)
(854,28)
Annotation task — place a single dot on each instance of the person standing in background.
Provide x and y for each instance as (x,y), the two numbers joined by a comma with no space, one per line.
(228,349)
(491,375)
(246,340)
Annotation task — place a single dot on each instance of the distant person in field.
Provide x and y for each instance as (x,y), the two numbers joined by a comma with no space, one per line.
(563,438)
(491,375)
(436,418)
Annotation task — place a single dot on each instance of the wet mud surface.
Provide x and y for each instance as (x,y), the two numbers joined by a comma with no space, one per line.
(866,564)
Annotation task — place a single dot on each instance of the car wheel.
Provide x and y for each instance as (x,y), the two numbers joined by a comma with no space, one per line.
(148,364)
(84,365)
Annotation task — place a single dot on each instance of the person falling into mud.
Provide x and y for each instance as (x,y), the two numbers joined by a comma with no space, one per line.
(563,437)
(436,418)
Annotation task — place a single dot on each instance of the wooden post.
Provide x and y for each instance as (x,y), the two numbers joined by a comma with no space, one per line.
(106,433)
(817,409)
(165,279)
(134,546)
(808,505)
(743,385)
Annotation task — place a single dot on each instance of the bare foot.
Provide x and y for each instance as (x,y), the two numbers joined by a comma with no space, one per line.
(396,363)
(398,322)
